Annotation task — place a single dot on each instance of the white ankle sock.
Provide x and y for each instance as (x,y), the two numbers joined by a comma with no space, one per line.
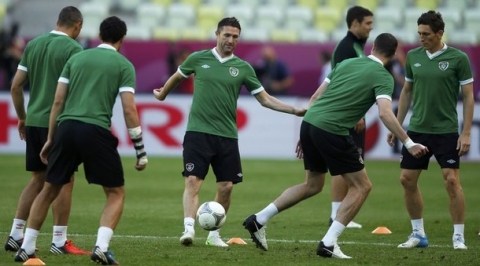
(103,238)
(59,235)
(30,241)
(266,214)
(17,229)
(333,233)
(214,233)
(458,229)
(417,226)
(189,224)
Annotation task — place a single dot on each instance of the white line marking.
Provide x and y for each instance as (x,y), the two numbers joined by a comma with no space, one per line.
(269,240)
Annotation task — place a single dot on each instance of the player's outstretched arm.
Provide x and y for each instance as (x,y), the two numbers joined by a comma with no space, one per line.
(134,130)
(266,100)
(161,93)
(391,122)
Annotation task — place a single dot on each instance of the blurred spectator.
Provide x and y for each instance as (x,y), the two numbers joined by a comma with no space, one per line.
(325,61)
(273,73)
(396,67)
(175,58)
(11,49)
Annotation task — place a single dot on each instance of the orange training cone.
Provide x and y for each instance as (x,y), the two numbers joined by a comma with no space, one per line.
(236,240)
(34,261)
(382,230)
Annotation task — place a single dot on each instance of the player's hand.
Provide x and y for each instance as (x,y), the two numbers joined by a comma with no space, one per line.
(418,150)
(21,129)
(299,150)
(299,112)
(141,163)
(463,144)
(45,151)
(360,126)
(158,94)
(390,139)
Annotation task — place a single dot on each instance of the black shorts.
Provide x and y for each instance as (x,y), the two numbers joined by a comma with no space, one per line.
(324,151)
(77,142)
(442,146)
(359,139)
(200,150)
(35,138)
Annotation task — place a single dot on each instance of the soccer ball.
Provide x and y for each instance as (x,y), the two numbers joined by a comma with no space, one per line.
(211,215)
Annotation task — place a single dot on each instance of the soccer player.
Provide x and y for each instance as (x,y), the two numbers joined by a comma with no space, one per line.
(337,105)
(434,73)
(86,93)
(211,137)
(41,65)
(360,23)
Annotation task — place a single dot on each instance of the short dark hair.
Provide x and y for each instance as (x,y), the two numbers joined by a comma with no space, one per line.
(112,29)
(386,44)
(357,13)
(69,16)
(432,19)
(232,21)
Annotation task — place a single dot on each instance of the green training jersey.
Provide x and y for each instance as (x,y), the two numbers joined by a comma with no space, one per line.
(43,60)
(217,84)
(436,81)
(95,77)
(354,86)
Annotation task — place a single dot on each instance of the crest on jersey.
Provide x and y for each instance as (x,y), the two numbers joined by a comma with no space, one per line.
(443,65)
(233,71)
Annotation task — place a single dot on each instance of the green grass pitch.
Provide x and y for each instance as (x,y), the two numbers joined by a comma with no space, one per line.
(152,220)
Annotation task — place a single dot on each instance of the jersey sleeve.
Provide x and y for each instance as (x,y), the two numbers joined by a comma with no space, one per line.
(464,73)
(408,70)
(23,65)
(383,85)
(65,76)
(188,66)
(251,81)
(127,82)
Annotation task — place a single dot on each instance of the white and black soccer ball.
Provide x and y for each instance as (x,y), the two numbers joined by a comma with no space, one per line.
(211,215)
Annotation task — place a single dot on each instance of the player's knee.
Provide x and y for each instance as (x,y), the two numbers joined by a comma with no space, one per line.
(452,182)
(225,188)
(407,182)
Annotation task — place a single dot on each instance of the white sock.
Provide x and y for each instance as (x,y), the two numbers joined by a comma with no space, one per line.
(266,214)
(189,224)
(214,233)
(417,226)
(59,235)
(30,240)
(333,233)
(17,229)
(335,207)
(458,229)
(103,238)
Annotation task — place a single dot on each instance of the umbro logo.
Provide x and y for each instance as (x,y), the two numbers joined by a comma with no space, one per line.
(417,65)
(451,161)
(205,66)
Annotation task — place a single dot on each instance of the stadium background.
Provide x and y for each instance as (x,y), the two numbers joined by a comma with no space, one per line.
(299,30)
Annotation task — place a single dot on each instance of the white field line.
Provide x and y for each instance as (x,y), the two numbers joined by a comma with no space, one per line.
(269,240)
